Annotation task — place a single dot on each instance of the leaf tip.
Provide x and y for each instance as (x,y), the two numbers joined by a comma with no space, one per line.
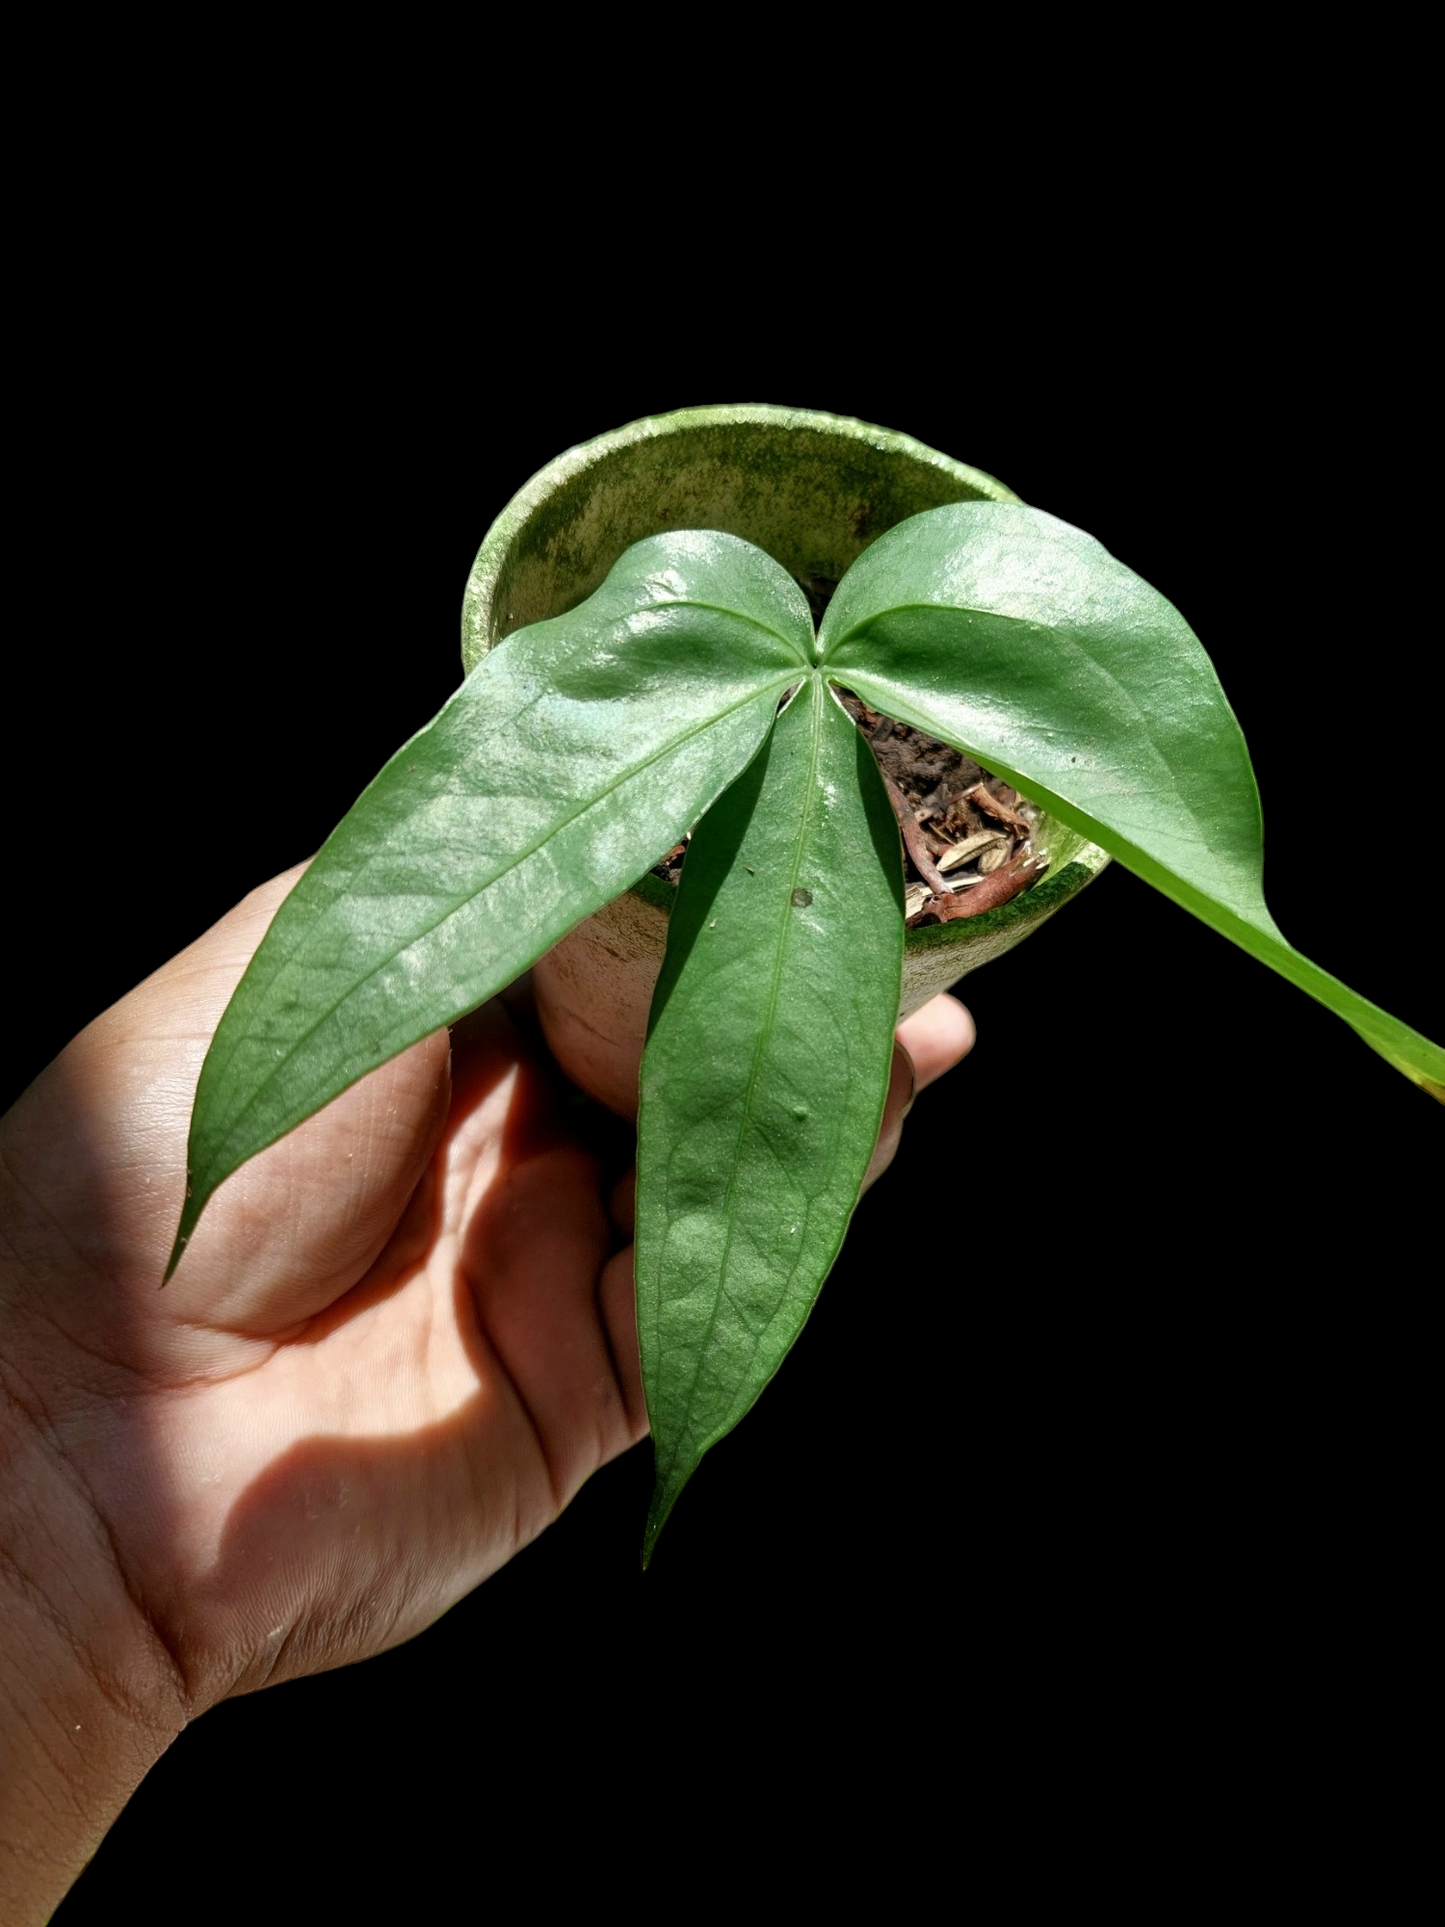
(190,1210)
(656,1519)
(182,1240)
(666,1488)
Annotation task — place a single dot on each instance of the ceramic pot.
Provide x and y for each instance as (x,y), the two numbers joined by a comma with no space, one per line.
(812,490)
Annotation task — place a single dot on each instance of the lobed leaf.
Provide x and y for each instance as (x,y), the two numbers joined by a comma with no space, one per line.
(765,1074)
(1022,641)
(573,756)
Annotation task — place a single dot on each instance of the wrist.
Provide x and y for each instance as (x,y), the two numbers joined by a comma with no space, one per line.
(89,1698)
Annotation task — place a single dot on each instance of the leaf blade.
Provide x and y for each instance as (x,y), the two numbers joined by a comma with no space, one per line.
(574,754)
(1022,641)
(788,935)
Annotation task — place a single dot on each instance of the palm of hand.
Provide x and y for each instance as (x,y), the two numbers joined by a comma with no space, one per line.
(400,1341)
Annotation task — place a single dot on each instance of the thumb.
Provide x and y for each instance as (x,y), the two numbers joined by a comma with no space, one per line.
(99,1142)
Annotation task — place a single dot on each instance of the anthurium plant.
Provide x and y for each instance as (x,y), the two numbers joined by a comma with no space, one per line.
(693,695)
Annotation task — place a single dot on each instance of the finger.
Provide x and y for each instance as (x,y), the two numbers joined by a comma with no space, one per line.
(937,1037)
(926,1045)
(533,1247)
(617,1301)
(622,1203)
(295,1228)
(902,1088)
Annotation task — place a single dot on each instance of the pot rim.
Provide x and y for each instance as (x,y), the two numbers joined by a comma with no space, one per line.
(993,930)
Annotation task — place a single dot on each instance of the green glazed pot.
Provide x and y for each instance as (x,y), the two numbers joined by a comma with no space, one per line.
(812,490)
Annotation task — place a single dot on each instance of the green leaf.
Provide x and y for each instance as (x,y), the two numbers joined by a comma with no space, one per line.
(765,1074)
(1022,641)
(574,755)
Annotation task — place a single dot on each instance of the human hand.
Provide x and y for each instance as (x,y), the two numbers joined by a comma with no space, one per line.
(399,1342)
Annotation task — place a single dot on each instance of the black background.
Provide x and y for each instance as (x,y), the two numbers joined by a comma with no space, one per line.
(1119,1457)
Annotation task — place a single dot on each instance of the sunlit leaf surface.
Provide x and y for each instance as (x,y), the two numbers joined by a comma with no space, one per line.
(569,760)
(1020,639)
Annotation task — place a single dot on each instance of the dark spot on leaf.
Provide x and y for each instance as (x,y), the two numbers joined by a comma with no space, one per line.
(801,899)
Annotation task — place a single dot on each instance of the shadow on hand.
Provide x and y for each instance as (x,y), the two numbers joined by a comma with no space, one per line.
(369,1539)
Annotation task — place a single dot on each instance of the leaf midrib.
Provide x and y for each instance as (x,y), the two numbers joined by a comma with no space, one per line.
(815,688)
(562,824)
(542,693)
(1066,637)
